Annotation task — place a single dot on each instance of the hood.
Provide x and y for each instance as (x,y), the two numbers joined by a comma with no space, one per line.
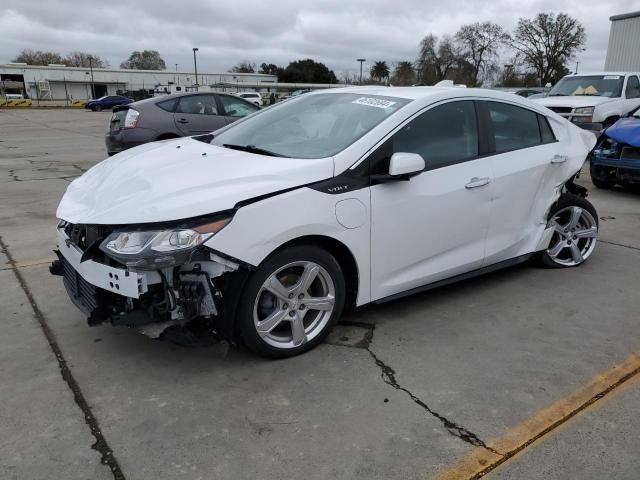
(176,179)
(574,101)
(625,130)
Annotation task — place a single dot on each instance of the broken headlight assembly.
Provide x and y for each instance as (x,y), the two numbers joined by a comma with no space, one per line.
(156,249)
(607,148)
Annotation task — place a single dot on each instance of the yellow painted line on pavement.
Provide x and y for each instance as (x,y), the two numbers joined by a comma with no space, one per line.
(481,461)
(28,263)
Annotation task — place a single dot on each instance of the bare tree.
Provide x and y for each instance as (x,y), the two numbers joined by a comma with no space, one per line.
(244,66)
(436,58)
(480,43)
(38,57)
(547,42)
(81,59)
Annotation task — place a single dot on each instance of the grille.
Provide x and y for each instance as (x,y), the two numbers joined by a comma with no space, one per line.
(560,109)
(631,153)
(83,236)
(82,293)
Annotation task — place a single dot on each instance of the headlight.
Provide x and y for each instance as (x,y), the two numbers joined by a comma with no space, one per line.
(154,249)
(587,111)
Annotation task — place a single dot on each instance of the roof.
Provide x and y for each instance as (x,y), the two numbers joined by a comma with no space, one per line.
(425,93)
(588,74)
(624,16)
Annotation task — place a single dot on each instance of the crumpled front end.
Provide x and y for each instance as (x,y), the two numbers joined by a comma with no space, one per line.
(198,293)
(616,156)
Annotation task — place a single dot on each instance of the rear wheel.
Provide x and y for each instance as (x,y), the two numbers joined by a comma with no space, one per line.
(98,108)
(291,302)
(575,230)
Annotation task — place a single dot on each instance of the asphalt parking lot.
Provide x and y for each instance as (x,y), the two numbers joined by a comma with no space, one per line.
(522,374)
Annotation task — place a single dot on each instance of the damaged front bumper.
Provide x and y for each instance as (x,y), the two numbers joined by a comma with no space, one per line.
(200,295)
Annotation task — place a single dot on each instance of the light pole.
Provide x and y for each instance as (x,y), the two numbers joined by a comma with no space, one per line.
(93,92)
(361,60)
(195,66)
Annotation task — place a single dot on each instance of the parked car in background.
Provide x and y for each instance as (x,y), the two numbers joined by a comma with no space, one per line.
(172,116)
(107,102)
(295,93)
(253,97)
(616,157)
(332,199)
(594,101)
(528,92)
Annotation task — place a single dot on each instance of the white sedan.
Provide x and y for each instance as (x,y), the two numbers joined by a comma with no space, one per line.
(267,230)
(253,97)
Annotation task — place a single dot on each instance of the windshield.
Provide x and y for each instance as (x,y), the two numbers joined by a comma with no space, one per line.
(311,126)
(595,85)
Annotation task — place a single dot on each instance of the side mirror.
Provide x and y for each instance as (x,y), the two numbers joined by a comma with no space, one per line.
(405,164)
(402,166)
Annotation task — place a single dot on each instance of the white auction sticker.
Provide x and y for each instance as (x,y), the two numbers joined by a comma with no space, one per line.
(611,77)
(374,102)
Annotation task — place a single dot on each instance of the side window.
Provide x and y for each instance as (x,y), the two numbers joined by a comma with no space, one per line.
(633,87)
(198,105)
(545,130)
(443,135)
(234,107)
(513,127)
(168,105)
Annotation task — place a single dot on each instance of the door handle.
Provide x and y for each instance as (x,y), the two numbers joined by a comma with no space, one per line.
(559,159)
(183,120)
(476,182)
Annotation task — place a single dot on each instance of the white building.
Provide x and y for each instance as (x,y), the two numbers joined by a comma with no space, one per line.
(623,51)
(59,82)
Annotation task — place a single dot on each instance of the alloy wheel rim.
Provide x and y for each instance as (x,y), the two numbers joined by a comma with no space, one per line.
(575,232)
(294,304)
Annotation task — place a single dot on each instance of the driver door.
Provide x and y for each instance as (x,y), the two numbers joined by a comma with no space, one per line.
(433,226)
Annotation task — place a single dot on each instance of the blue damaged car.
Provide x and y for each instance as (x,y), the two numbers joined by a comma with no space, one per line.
(616,157)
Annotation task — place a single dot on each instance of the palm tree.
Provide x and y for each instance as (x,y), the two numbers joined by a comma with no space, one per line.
(404,73)
(379,71)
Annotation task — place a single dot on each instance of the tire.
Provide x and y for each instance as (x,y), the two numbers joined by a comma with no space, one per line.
(575,223)
(597,180)
(98,108)
(273,319)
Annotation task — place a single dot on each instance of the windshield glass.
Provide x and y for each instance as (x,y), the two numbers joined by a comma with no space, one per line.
(311,126)
(595,85)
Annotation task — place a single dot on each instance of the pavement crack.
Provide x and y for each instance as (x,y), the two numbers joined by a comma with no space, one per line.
(619,244)
(100,444)
(388,375)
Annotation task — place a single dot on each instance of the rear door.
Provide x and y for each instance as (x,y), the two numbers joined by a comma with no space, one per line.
(526,163)
(197,114)
(235,107)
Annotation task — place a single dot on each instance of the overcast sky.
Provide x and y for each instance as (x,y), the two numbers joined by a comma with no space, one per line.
(335,32)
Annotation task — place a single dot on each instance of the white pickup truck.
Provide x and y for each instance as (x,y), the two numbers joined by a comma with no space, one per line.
(594,101)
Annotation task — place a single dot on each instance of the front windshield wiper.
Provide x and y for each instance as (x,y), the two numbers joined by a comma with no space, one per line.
(556,95)
(253,149)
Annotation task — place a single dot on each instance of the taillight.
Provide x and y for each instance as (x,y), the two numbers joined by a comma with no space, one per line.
(131,119)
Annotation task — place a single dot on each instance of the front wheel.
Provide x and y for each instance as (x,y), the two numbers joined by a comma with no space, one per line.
(575,230)
(291,302)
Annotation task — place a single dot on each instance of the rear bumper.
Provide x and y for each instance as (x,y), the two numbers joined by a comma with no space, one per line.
(120,140)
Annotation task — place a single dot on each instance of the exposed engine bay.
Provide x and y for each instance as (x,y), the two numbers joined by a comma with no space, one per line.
(183,302)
